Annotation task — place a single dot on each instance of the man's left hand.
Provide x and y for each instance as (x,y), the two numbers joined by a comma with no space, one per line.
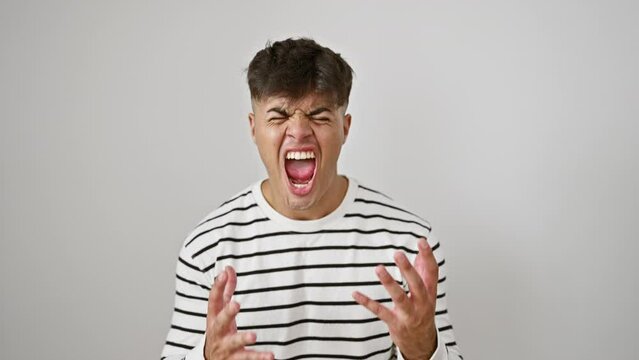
(411,322)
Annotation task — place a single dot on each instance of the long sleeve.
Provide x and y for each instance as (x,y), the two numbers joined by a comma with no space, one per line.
(185,339)
(440,353)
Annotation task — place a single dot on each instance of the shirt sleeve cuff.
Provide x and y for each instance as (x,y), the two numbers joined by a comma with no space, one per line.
(439,354)
(197,353)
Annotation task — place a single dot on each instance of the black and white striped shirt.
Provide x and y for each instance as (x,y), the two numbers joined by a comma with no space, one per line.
(296,277)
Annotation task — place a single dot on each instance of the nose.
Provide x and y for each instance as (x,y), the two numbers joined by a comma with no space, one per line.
(299,126)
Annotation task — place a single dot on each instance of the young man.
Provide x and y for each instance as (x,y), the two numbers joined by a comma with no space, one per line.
(322,266)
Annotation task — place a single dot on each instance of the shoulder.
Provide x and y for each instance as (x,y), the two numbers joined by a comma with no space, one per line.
(373,203)
(238,209)
(233,207)
(377,208)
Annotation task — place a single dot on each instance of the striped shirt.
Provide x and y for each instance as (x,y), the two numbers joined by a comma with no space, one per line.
(295,277)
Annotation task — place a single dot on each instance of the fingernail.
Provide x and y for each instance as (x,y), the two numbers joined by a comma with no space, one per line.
(397,255)
(251,337)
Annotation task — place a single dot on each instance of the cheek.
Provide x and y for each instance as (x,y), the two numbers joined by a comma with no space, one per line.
(331,143)
(268,141)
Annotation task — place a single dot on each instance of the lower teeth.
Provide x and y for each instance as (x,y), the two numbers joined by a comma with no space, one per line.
(299,185)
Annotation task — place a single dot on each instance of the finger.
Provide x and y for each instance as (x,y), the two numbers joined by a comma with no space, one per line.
(237,341)
(381,311)
(427,267)
(252,355)
(215,298)
(415,282)
(396,292)
(229,290)
(225,318)
(231,283)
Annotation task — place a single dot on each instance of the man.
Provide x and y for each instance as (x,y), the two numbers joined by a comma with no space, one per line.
(322,266)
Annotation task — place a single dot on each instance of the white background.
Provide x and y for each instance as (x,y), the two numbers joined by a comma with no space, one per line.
(510,125)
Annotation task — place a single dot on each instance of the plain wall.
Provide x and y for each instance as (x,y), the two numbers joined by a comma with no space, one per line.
(510,125)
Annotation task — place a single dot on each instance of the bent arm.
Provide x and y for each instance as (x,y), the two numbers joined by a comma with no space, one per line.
(185,339)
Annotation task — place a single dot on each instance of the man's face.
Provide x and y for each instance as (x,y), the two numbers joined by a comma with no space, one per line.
(299,142)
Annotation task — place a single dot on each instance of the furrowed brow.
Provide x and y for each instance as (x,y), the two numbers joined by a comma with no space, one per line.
(278,110)
(318,111)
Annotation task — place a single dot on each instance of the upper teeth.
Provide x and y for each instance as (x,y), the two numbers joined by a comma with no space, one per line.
(300,155)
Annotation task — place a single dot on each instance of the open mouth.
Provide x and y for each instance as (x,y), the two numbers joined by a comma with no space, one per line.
(300,169)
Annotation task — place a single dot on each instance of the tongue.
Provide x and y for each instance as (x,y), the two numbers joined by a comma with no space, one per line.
(300,170)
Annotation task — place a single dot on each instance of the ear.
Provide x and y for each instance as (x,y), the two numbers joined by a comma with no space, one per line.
(251,118)
(347,126)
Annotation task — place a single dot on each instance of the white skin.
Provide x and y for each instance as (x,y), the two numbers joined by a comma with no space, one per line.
(279,124)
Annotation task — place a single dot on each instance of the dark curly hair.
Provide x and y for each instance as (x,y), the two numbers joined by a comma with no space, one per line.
(296,67)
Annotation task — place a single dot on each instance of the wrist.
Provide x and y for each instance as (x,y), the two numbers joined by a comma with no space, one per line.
(427,352)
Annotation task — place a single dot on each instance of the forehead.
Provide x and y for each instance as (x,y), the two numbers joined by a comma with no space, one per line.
(306,103)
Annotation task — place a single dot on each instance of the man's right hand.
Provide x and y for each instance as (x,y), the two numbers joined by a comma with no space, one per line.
(222,339)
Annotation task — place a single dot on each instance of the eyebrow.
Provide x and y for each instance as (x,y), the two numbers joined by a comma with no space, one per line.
(278,110)
(281,111)
(318,111)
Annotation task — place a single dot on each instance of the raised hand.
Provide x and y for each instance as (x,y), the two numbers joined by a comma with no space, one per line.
(222,339)
(411,322)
